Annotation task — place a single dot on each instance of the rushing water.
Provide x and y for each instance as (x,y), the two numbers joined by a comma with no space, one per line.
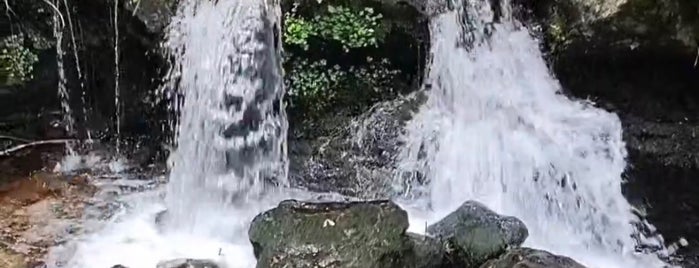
(230,157)
(232,130)
(63,93)
(117,95)
(496,129)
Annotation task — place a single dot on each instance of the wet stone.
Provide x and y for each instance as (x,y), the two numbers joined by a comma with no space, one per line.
(474,233)
(187,263)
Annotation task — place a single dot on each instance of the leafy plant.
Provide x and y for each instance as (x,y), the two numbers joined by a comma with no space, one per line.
(16,61)
(352,29)
(309,84)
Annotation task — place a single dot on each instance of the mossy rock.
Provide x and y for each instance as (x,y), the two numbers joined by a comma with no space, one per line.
(531,258)
(473,233)
(355,234)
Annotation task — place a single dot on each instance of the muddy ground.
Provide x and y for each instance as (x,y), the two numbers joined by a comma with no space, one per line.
(39,207)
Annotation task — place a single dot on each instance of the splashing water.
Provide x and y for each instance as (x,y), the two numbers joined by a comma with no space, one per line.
(231,138)
(117,97)
(496,129)
(63,94)
(231,151)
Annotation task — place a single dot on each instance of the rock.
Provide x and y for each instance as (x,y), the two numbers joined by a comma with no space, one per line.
(475,233)
(119,266)
(620,24)
(351,234)
(531,258)
(427,252)
(187,263)
(355,157)
(155,14)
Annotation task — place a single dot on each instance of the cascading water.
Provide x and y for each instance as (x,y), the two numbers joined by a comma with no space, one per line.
(232,128)
(496,129)
(117,98)
(230,144)
(63,94)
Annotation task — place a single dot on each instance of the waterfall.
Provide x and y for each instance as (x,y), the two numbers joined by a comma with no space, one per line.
(232,126)
(63,94)
(497,129)
(117,105)
(78,69)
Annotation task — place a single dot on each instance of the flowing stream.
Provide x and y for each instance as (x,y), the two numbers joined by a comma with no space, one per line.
(495,129)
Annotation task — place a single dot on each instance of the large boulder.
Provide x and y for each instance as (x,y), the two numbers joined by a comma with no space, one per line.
(473,233)
(353,156)
(352,234)
(531,258)
(617,24)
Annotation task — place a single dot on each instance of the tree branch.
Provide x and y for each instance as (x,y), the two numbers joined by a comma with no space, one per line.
(11,150)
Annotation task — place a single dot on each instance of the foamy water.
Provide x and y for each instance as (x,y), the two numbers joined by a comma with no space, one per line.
(495,129)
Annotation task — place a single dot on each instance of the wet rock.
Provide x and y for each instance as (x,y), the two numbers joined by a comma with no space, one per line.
(353,156)
(347,234)
(187,263)
(119,266)
(531,258)
(427,252)
(474,233)
(155,14)
(618,24)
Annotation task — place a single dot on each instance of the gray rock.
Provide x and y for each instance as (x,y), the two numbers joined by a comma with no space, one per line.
(473,233)
(356,156)
(155,14)
(427,252)
(187,263)
(531,258)
(352,234)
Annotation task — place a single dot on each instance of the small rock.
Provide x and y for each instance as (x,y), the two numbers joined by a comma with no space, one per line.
(473,233)
(531,258)
(187,263)
(362,235)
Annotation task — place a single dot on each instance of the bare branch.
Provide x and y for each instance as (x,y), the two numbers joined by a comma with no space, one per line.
(12,150)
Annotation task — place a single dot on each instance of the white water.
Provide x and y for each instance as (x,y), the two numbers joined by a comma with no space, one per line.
(225,52)
(496,129)
(219,181)
(63,93)
(117,98)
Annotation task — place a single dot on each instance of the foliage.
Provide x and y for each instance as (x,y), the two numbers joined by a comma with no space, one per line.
(352,28)
(297,31)
(309,84)
(16,61)
(314,84)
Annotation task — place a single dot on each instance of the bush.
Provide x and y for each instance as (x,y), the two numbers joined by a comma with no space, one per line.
(326,61)
(16,61)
